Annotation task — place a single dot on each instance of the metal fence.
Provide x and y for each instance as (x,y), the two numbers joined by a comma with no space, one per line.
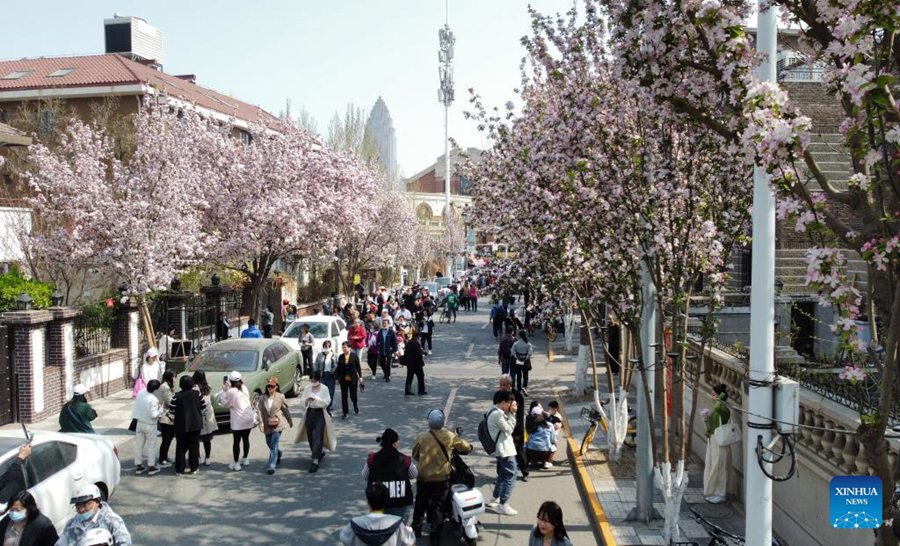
(93,333)
(193,317)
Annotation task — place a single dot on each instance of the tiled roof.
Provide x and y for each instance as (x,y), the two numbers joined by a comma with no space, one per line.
(113,69)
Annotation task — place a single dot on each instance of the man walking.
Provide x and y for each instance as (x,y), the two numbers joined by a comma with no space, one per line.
(498,317)
(387,346)
(268,322)
(431,452)
(414,360)
(503,352)
(501,424)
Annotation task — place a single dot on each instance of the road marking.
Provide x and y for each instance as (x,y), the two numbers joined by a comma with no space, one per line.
(449,405)
(469,350)
(485,325)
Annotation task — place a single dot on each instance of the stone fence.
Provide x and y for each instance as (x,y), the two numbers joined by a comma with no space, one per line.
(800,510)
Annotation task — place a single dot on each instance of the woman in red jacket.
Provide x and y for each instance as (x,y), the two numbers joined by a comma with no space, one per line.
(356,335)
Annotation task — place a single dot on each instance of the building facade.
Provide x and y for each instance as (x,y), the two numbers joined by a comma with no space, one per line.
(380,128)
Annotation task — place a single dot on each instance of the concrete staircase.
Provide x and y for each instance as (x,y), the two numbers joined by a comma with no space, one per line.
(790,268)
(833,159)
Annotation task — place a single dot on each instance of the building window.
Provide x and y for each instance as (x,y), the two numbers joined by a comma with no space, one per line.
(246,138)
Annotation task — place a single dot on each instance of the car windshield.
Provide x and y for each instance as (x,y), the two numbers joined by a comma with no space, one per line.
(212,360)
(317,329)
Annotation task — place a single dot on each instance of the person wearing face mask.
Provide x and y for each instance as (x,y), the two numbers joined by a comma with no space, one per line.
(316,425)
(92,513)
(24,524)
(326,364)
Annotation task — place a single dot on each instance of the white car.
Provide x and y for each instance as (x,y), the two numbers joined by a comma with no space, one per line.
(60,464)
(322,327)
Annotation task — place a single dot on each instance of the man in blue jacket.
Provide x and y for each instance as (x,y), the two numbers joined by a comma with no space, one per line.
(252,331)
(387,346)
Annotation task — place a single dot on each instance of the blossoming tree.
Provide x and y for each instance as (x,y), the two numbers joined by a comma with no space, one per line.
(137,215)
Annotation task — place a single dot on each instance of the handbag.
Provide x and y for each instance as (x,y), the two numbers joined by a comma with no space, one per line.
(273,421)
(727,434)
(133,425)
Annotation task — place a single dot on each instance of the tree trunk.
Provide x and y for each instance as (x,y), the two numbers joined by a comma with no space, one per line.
(146,323)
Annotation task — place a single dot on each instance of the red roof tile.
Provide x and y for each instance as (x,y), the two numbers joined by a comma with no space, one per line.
(112,69)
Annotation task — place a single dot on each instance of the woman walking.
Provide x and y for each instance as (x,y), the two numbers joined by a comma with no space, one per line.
(187,405)
(350,376)
(372,352)
(274,414)
(24,524)
(316,425)
(307,341)
(520,362)
(166,425)
(326,364)
(236,398)
(550,530)
(394,470)
(210,425)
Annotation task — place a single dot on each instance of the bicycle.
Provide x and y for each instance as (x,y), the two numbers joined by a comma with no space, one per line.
(719,536)
(445,315)
(596,419)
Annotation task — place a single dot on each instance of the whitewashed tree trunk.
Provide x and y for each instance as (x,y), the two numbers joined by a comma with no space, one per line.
(581,367)
(672,486)
(569,324)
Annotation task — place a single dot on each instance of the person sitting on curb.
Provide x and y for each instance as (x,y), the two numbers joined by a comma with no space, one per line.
(76,414)
(377,527)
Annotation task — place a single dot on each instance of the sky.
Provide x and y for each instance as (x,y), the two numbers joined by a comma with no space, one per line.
(321,55)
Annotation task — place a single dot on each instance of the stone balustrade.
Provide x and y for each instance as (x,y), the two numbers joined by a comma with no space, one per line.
(821,454)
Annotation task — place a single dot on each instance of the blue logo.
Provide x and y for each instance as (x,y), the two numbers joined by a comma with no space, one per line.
(855,502)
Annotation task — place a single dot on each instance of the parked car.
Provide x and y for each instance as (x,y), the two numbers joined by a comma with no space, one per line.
(256,359)
(59,465)
(321,327)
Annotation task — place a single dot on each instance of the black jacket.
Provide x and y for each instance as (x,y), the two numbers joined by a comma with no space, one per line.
(345,368)
(188,409)
(38,532)
(413,356)
(391,468)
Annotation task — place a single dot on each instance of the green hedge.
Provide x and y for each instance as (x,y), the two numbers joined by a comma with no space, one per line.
(12,285)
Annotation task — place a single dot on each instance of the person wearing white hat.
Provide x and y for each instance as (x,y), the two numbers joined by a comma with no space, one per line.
(236,398)
(152,368)
(76,414)
(91,513)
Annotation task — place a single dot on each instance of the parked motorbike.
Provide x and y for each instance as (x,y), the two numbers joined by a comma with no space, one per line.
(464,501)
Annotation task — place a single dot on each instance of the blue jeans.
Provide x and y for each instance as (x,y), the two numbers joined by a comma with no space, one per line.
(328,381)
(506,478)
(272,440)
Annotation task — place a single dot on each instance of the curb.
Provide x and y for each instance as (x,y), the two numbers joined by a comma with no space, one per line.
(585,485)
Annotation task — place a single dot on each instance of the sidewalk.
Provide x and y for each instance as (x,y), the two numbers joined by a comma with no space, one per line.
(609,487)
(113,418)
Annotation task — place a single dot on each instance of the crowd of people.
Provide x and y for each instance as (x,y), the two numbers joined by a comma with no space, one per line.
(384,330)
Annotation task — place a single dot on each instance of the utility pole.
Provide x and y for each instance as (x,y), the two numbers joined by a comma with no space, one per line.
(445,97)
(758,487)
(643,510)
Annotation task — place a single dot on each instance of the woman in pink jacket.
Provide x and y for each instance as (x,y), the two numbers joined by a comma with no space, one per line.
(236,398)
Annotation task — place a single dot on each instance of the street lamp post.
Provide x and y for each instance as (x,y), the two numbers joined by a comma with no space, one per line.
(757,485)
(446,41)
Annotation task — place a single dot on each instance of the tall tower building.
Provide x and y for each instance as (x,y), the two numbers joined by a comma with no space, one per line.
(380,128)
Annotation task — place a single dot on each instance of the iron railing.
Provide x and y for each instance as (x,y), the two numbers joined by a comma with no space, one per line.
(93,333)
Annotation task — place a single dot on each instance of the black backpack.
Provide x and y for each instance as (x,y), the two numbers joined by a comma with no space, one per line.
(488,443)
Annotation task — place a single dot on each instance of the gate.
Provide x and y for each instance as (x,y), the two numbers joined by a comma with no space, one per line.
(7,390)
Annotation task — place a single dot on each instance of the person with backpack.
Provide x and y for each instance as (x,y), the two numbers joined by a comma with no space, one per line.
(521,352)
(504,352)
(501,422)
(394,470)
(432,451)
(505,384)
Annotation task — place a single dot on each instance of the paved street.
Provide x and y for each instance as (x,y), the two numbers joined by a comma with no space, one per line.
(223,507)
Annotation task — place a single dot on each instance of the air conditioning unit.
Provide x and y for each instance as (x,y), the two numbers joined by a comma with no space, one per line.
(134,38)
